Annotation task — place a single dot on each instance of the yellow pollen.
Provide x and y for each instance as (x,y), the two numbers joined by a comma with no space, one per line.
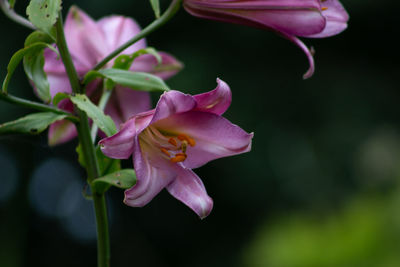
(324,8)
(184,146)
(179,157)
(173,142)
(163,150)
(190,141)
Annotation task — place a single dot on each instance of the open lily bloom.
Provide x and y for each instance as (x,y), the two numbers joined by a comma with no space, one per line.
(89,42)
(183,132)
(289,18)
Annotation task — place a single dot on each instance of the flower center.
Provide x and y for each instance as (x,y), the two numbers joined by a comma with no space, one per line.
(172,145)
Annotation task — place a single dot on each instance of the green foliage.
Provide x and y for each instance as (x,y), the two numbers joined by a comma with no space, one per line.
(33,65)
(140,81)
(123,179)
(58,97)
(32,55)
(155,4)
(364,234)
(104,122)
(106,164)
(11,3)
(31,124)
(44,14)
(124,62)
(38,37)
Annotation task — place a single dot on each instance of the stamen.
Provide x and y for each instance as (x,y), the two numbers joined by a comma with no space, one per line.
(163,150)
(324,8)
(184,146)
(173,142)
(190,141)
(179,157)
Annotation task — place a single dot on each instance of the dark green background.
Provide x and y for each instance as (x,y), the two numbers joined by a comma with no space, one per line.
(319,187)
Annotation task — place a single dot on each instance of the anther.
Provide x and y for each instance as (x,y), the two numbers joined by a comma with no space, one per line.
(173,142)
(190,141)
(163,150)
(324,8)
(179,157)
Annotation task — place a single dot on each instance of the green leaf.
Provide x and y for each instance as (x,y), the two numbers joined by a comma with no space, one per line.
(32,54)
(38,37)
(33,65)
(155,4)
(123,179)
(16,59)
(106,164)
(124,62)
(58,97)
(31,124)
(104,122)
(11,3)
(44,14)
(140,81)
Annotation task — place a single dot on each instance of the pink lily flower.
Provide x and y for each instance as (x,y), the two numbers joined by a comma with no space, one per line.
(89,42)
(183,132)
(289,18)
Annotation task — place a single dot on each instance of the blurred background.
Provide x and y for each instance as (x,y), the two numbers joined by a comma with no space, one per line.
(320,187)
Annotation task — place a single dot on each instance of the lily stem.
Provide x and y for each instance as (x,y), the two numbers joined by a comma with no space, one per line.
(89,154)
(35,105)
(166,16)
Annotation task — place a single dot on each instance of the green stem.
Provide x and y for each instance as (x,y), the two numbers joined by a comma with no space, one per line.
(89,153)
(168,14)
(34,105)
(10,13)
(102,104)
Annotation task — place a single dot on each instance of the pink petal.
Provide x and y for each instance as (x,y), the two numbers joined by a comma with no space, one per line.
(120,145)
(153,174)
(309,53)
(290,16)
(118,30)
(214,135)
(85,39)
(148,63)
(336,19)
(125,103)
(216,101)
(188,188)
(173,102)
(61,132)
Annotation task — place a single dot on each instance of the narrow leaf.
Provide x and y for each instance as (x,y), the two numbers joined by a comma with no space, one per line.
(123,179)
(124,62)
(140,81)
(11,3)
(16,59)
(106,165)
(31,124)
(155,4)
(104,122)
(44,14)
(33,65)
(58,97)
(38,37)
